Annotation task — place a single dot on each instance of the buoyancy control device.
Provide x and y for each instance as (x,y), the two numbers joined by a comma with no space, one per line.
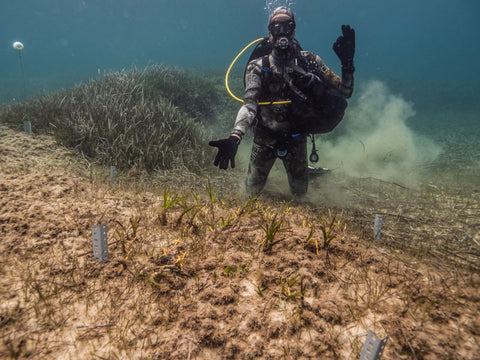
(314,109)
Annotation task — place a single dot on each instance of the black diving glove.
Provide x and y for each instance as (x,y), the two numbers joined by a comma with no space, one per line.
(227,149)
(344,47)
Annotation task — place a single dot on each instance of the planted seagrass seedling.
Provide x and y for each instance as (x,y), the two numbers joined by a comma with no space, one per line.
(213,195)
(331,228)
(128,236)
(287,283)
(272,226)
(310,239)
(169,200)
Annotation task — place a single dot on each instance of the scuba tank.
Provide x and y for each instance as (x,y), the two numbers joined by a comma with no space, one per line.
(314,110)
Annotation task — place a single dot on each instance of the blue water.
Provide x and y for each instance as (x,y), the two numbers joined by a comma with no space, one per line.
(426,51)
(410,39)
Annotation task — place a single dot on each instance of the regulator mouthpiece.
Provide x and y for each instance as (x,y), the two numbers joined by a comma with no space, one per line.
(283,43)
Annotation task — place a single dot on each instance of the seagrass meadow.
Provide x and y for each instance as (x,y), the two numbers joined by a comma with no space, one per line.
(199,270)
(147,119)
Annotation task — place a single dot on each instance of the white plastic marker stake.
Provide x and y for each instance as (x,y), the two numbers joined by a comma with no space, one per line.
(17,45)
(377,228)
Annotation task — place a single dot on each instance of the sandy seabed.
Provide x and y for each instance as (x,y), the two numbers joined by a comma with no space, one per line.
(207,279)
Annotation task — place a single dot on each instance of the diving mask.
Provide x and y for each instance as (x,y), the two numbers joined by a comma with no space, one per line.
(282,33)
(282,28)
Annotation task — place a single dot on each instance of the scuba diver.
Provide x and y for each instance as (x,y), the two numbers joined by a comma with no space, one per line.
(299,95)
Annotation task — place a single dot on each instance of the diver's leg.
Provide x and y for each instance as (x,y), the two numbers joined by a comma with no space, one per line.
(296,165)
(261,162)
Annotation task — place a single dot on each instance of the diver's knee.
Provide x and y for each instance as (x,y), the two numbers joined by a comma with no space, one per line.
(299,187)
(254,188)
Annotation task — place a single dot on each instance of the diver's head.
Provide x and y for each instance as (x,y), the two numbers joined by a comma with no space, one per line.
(281,28)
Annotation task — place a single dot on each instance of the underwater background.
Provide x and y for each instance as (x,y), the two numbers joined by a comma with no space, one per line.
(416,81)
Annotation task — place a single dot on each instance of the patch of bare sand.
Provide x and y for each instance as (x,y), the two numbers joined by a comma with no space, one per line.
(200,280)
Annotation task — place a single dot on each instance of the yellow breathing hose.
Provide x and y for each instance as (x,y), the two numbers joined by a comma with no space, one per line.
(230,68)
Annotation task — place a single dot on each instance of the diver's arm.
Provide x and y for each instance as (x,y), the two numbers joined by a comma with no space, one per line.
(248,111)
(344,47)
(344,84)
